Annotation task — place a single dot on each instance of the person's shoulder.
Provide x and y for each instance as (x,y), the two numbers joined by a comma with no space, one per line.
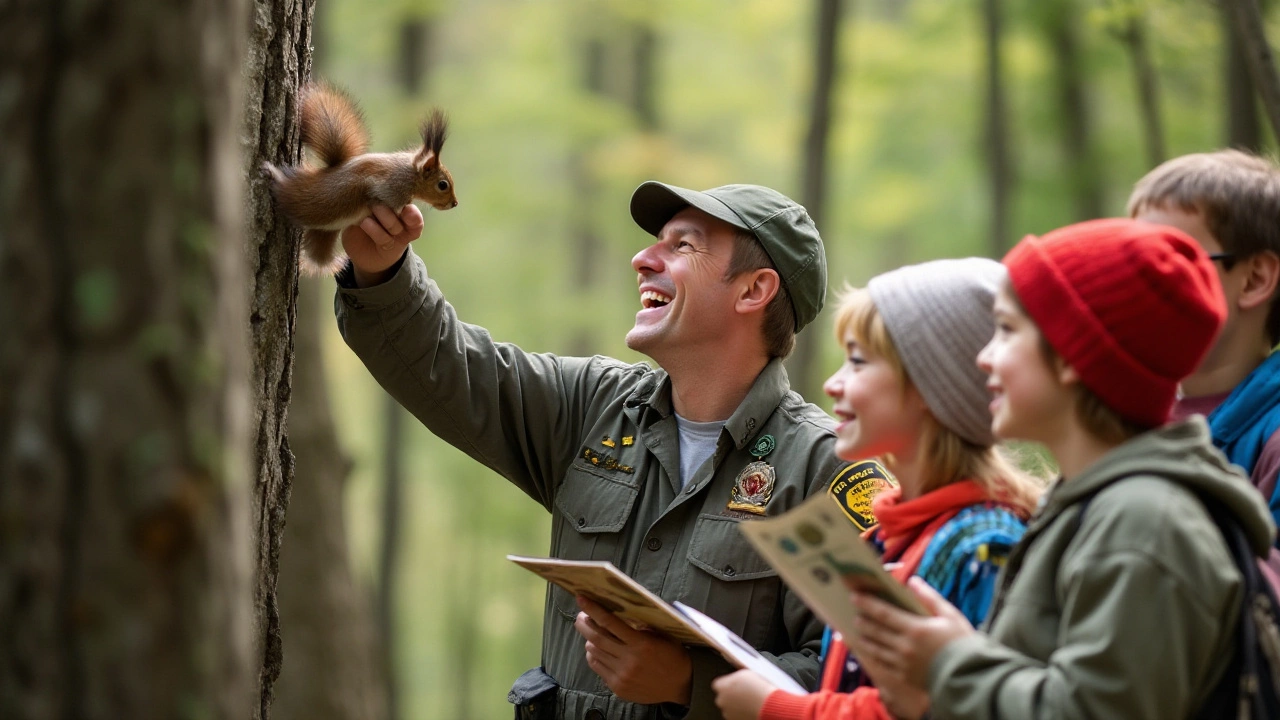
(806,416)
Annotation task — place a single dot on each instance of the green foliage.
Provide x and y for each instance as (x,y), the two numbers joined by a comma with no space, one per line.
(908,182)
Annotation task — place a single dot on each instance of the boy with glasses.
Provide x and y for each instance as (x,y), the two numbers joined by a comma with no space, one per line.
(1229,202)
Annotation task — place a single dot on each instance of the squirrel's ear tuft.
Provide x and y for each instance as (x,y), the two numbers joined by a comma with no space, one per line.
(435,129)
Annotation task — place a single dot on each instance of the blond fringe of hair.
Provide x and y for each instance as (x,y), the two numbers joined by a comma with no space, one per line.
(946,457)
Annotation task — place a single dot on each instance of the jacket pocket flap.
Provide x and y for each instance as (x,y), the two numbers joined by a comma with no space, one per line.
(719,549)
(594,503)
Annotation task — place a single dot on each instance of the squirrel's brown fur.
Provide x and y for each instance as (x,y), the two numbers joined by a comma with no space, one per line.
(350,180)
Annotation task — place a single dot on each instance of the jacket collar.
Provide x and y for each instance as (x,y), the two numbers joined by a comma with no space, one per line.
(1249,402)
(653,394)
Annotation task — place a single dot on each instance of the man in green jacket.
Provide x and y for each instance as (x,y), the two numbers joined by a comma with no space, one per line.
(650,469)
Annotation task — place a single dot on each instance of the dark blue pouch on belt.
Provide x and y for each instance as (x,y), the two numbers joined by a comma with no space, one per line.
(534,695)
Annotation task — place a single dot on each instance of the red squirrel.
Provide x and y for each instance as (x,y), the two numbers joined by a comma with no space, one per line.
(350,180)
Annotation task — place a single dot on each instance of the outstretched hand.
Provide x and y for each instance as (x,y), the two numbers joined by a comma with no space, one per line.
(640,667)
(378,242)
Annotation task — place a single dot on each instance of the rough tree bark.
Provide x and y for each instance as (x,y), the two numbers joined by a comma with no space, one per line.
(996,143)
(125,565)
(1262,66)
(277,61)
(331,667)
(813,185)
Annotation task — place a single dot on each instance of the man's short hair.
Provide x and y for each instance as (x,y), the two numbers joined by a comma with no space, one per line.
(1236,193)
(779,319)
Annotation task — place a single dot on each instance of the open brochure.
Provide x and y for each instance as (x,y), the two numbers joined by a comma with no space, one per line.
(821,556)
(641,609)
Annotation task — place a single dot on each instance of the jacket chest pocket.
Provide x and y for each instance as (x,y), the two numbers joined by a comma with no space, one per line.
(592,511)
(730,581)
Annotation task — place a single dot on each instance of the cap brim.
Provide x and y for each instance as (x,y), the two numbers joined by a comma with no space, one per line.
(653,204)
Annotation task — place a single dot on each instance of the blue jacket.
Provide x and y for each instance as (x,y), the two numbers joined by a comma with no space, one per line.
(1249,416)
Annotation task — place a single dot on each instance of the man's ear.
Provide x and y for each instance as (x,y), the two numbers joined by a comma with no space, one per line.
(1260,282)
(756,289)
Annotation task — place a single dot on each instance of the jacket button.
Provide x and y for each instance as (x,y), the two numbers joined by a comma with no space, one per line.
(729,571)
(582,522)
(594,714)
(654,543)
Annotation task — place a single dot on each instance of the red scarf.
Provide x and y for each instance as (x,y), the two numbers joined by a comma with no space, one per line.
(901,522)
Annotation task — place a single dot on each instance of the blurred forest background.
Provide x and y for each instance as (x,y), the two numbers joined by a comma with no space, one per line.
(168,550)
(888,118)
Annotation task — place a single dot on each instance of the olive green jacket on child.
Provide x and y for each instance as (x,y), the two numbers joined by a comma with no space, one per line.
(1128,612)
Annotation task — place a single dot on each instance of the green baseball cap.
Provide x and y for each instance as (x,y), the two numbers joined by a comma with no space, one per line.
(781,225)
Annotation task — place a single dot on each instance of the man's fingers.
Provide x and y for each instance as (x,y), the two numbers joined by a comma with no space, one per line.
(376,233)
(607,621)
(595,634)
(411,216)
(388,219)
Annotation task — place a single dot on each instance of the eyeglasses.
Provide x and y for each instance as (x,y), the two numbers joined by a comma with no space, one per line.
(1227,259)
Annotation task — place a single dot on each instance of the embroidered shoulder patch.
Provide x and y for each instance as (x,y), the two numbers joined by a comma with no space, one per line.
(855,487)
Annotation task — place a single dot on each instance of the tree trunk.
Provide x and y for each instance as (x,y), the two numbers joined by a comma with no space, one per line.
(1082,166)
(997,131)
(277,62)
(331,669)
(125,569)
(1134,37)
(1243,129)
(1262,66)
(415,46)
(644,95)
(813,189)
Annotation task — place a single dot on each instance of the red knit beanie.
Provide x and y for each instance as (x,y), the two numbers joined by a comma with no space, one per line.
(1132,306)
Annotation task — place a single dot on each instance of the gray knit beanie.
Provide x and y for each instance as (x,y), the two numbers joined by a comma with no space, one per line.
(939,317)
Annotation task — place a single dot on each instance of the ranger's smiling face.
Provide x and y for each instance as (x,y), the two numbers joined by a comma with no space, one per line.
(685,300)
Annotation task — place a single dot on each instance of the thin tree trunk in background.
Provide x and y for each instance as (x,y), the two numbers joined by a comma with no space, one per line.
(389,550)
(1244,132)
(415,58)
(813,187)
(332,668)
(999,164)
(644,95)
(1262,67)
(277,62)
(586,239)
(125,564)
(1083,170)
(1145,80)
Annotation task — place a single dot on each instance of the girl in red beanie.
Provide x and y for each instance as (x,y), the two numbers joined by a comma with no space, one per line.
(910,394)
(1121,600)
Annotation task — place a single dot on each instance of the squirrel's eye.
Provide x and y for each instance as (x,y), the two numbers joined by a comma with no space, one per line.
(443,186)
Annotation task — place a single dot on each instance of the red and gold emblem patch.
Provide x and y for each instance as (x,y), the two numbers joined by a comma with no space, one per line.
(753,488)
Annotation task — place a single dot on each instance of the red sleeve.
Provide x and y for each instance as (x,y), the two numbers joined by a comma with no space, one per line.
(861,704)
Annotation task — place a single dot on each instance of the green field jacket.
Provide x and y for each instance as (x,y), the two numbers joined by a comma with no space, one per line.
(1125,613)
(594,441)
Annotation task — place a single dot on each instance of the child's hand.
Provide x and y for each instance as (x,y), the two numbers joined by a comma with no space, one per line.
(741,694)
(896,646)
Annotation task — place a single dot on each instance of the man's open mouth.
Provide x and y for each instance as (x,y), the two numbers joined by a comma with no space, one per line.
(650,299)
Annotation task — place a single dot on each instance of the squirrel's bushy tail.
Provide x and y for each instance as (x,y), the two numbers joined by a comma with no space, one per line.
(332,125)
